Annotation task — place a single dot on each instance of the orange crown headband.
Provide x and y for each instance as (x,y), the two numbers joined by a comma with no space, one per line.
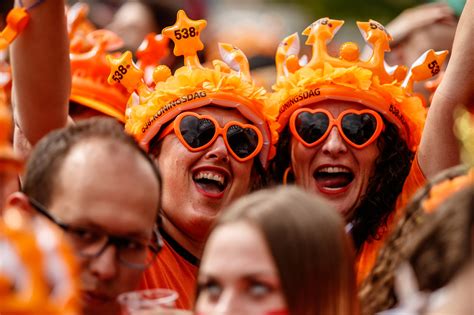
(228,84)
(88,49)
(388,90)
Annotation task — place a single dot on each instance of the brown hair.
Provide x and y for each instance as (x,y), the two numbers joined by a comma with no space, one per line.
(307,240)
(435,244)
(49,154)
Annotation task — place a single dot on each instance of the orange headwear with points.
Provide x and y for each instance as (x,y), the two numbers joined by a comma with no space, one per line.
(388,90)
(228,84)
(88,48)
(37,270)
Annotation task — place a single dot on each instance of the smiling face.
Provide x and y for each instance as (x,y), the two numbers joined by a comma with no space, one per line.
(334,169)
(197,185)
(238,274)
(114,190)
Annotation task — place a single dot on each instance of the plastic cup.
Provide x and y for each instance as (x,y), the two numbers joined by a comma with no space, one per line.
(150,302)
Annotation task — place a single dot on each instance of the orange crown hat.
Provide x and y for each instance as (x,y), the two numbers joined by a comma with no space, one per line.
(149,54)
(388,90)
(88,49)
(228,84)
(38,274)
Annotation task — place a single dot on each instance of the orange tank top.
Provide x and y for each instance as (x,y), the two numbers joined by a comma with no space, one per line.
(174,268)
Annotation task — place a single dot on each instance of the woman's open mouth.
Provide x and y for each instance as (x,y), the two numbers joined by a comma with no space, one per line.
(333,179)
(211,183)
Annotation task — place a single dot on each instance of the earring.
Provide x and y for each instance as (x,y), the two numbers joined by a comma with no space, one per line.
(288,170)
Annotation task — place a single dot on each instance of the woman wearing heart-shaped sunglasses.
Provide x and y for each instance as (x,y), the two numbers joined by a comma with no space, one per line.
(210,137)
(352,131)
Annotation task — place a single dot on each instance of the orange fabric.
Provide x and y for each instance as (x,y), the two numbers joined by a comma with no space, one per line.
(443,190)
(171,270)
(368,254)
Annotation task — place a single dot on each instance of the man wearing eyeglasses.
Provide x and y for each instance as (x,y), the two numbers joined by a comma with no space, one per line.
(93,181)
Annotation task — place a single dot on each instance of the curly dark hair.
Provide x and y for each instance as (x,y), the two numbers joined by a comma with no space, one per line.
(391,170)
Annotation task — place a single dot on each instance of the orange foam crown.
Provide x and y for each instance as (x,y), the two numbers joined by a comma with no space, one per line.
(88,49)
(389,90)
(228,84)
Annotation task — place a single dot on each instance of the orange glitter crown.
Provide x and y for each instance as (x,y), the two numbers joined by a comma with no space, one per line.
(88,49)
(372,83)
(228,84)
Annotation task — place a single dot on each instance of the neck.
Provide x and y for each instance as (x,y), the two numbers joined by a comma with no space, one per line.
(192,246)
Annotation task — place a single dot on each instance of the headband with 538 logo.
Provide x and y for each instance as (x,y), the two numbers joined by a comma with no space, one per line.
(372,83)
(227,84)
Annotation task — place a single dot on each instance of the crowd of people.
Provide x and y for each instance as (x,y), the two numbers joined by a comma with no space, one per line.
(338,192)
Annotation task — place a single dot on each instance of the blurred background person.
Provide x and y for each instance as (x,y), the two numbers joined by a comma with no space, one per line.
(420,28)
(278,251)
(377,292)
(437,273)
(91,95)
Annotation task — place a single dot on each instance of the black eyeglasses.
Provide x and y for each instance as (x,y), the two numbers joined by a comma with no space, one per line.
(89,243)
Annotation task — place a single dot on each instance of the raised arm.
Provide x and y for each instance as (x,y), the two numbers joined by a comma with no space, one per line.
(41,70)
(439,148)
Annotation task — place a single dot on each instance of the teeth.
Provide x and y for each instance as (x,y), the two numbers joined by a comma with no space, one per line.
(334,169)
(211,176)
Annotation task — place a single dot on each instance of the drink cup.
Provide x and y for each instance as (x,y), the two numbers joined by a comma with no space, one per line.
(150,302)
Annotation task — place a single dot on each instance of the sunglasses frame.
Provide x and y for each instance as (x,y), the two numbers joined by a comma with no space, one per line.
(220,131)
(338,123)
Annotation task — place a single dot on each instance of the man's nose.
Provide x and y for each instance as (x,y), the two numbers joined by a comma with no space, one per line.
(104,267)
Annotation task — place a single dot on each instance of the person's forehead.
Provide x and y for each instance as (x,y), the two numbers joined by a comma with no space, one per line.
(237,248)
(222,115)
(107,186)
(335,107)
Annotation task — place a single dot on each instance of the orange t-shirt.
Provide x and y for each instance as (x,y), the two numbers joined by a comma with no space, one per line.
(369,251)
(174,268)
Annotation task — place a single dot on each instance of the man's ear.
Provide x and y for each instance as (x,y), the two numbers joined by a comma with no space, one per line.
(19,200)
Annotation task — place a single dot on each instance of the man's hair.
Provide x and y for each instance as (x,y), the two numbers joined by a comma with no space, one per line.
(49,154)
(311,250)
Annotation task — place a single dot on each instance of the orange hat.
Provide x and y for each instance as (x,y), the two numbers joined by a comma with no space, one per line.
(88,48)
(149,54)
(388,90)
(227,84)
(37,270)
